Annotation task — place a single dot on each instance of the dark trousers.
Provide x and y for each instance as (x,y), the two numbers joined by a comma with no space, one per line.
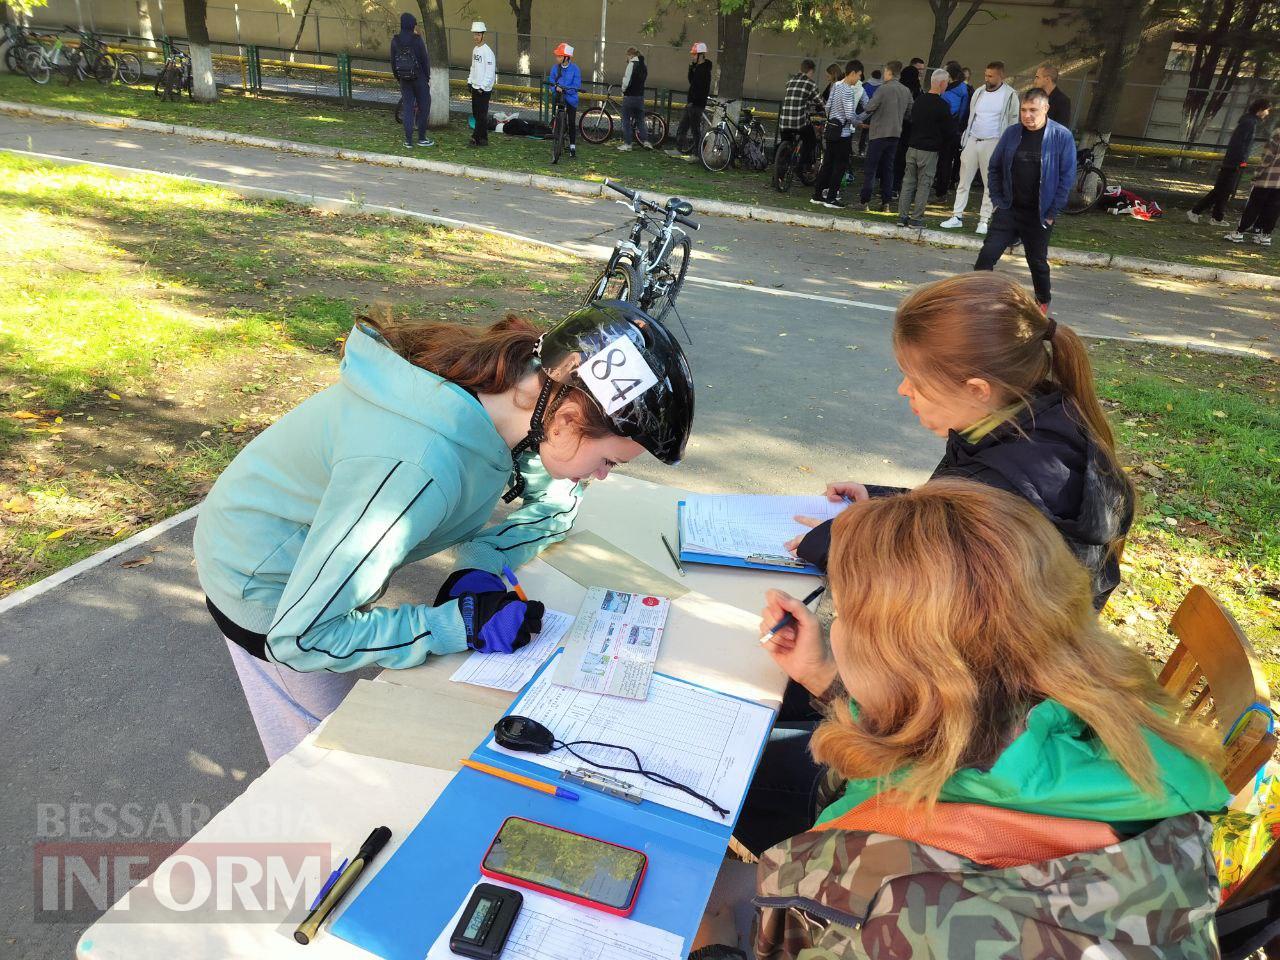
(416,95)
(633,128)
(808,141)
(480,111)
(879,165)
(1224,188)
(691,122)
(834,164)
(1262,211)
(1009,225)
(900,157)
(782,800)
(948,161)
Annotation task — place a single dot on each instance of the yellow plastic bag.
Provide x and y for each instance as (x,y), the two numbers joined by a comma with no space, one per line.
(1242,838)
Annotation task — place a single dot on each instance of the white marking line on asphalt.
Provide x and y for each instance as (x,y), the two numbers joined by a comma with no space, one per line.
(587,249)
(96,560)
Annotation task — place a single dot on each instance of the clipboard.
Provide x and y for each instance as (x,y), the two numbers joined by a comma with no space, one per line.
(719,560)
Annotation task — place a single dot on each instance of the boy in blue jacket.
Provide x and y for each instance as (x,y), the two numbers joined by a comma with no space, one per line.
(1032,172)
(412,67)
(566,75)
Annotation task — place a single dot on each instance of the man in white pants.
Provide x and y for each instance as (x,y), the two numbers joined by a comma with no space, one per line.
(992,108)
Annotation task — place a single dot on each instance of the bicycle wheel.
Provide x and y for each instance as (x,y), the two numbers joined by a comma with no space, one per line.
(716,150)
(783,167)
(13,57)
(618,282)
(807,173)
(595,125)
(1089,187)
(104,68)
(172,87)
(668,284)
(128,68)
(36,66)
(558,136)
(756,154)
(656,127)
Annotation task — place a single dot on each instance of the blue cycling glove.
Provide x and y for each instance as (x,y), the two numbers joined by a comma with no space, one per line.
(497,622)
(469,581)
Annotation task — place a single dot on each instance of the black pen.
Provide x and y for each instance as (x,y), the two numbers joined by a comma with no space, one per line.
(788,619)
(346,880)
(675,557)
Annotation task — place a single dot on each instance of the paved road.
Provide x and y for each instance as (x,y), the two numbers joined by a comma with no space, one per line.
(115,687)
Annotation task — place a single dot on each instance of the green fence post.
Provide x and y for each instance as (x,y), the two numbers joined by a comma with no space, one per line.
(344,76)
(255,68)
(166,47)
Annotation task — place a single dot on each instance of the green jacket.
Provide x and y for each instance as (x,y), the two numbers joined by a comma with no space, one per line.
(1058,769)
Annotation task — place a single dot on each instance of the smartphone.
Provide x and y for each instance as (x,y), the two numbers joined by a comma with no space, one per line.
(582,870)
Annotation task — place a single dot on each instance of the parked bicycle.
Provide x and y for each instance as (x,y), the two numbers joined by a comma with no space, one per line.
(692,136)
(174,76)
(732,139)
(1091,182)
(559,123)
(789,160)
(596,125)
(18,42)
(40,63)
(650,274)
(95,59)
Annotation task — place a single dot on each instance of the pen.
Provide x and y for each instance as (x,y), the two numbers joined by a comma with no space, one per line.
(328,884)
(515,584)
(675,557)
(529,782)
(346,880)
(788,619)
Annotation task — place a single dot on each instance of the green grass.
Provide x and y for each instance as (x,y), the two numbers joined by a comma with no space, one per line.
(149,327)
(373,129)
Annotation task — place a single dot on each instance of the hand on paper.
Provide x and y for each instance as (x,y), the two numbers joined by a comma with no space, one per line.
(835,492)
(798,648)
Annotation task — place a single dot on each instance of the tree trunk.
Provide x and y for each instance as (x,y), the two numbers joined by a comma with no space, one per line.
(144,20)
(1120,32)
(203,89)
(945,36)
(523,9)
(735,37)
(302,25)
(437,40)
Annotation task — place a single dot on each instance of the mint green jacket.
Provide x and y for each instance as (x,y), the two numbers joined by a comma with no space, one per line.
(1058,768)
(390,465)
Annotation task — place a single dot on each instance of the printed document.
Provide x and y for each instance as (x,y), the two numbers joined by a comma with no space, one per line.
(614,643)
(548,928)
(739,525)
(511,671)
(701,738)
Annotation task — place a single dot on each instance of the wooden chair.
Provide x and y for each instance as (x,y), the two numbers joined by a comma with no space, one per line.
(1215,661)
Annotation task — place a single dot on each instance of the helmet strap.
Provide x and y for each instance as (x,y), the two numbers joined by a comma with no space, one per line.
(537,433)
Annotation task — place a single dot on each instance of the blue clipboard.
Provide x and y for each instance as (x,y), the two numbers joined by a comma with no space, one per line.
(415,893)
(715,559)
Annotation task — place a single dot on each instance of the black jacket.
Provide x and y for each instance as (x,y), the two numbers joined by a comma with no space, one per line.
(699,82)
(1049,458)
(932,125)
(1240,142)
(639,76)
(1060,107)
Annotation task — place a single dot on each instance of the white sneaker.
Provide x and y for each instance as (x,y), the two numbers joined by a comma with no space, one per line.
(1193,217)
(624,147)
(1217,223)
(982,228)
(1262,239)
(955,223)
(1235,237)
(646,144)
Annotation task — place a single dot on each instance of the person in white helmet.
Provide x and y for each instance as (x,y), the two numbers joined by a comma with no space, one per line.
(483,71)
(696,99)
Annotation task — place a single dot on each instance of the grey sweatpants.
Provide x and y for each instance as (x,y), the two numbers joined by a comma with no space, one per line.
(286,704)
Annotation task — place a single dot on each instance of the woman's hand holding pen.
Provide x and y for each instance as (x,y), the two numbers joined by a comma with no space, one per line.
(798,648)
(849,491)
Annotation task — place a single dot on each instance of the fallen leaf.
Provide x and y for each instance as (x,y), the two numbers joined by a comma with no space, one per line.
(1220,414)
(24,415)
(114,396)
(59,534)
(139,562)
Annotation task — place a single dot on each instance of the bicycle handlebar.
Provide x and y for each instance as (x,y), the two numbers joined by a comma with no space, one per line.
(634,197)
(629,194)
(685,221)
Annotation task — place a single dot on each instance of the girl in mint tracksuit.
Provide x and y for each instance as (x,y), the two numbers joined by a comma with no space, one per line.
(406,456)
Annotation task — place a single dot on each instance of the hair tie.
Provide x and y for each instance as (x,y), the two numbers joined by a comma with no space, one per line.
(1050,329)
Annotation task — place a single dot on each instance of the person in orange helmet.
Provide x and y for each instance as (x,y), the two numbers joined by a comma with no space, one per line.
(568,78)
(695,100)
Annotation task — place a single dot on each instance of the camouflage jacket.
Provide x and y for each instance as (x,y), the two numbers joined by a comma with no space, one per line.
(850,895)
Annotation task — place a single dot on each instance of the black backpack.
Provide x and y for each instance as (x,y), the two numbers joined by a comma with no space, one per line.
(403,63)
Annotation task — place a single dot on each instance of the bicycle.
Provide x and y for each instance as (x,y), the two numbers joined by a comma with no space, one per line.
(174,76)
(1091,182)
(730,139)
(596,124)
(559,123)
(95,60)
(790,150)
(18,42)
(40,62)
(650,276)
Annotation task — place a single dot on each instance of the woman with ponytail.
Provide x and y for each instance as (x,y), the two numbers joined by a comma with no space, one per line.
(996,775)
(406,456)
(1012,392)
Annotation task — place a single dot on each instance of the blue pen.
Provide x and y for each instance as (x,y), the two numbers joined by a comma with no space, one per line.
(788,619)
(515,584)
(328,884)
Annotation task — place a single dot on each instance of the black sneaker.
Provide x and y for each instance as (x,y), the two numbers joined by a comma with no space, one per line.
(836,204)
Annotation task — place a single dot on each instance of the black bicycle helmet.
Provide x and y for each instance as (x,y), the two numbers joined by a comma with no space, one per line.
(631,367)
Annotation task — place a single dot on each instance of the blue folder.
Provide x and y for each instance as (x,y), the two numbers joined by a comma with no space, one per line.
(415,893)
(689,556)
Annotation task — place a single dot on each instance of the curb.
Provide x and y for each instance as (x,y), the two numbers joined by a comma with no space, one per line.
(586,188)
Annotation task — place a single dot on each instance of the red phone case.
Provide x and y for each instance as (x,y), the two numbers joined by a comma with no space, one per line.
(581,901)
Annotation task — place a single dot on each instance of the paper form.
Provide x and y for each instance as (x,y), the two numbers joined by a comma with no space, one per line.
(706,740)
(614,643)
(548,928)
(511,671)
(738,525)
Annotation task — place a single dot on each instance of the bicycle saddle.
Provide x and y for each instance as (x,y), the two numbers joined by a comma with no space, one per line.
(681,207)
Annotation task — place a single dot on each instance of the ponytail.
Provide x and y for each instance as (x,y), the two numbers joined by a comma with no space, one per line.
(487,361)
(1073,373)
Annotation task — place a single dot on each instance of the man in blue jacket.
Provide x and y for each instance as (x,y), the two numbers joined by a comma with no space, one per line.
(411,66)
(1032,171)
